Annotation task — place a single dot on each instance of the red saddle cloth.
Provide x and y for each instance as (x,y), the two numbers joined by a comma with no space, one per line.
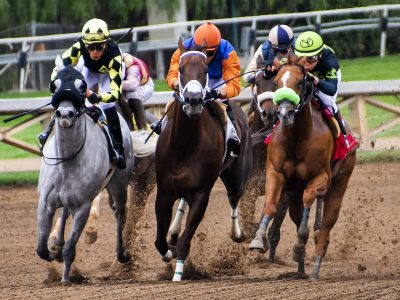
(341,149)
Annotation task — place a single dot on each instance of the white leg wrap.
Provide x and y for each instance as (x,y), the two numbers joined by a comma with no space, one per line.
(178,270)
(235,228)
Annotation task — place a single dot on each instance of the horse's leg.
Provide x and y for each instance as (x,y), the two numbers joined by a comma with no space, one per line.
(163,208)
(317,223)
(274,232)
(45,214)
(117,200)
(56,239)
(175,228)
(331,209)
(273,187)
(316,188)
(197,208)
(90,228)
(69,250)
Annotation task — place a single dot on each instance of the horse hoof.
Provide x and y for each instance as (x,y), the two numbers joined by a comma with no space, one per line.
(257,244)
(239,239)
(66,283)
(167,256)
(125,257)
(90,237)
(177,278)
(314,277)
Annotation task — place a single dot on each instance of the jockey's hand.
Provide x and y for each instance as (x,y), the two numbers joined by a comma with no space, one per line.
(175,85)
(312,78)
(213,94)
(270,71)
(251,79)
(94,98)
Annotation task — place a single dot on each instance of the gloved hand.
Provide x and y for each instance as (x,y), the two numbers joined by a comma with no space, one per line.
(94,98)
(312,78)
(251,79)
(213,94)
(269,71)
(175,85)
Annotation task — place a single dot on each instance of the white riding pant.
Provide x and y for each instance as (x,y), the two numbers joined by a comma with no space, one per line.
(142,92)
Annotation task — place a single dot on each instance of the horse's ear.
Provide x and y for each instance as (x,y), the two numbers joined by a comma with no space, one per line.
(181,46)
(259,61)
(292,59)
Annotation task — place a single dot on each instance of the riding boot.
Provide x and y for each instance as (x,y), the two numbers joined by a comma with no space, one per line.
(118,156)
(44,135)
(342,127)
(233,143)
(136,106)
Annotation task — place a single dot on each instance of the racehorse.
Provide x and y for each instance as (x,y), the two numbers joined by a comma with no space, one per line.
(75,168)
(299,158)
(190,155)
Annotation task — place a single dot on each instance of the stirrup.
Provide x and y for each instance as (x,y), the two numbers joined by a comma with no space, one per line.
(233,147)
(119,160)
(346,140)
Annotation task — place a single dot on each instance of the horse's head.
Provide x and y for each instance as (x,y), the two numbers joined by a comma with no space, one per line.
(263,93)
(292,90)
(193,79)
(68,89)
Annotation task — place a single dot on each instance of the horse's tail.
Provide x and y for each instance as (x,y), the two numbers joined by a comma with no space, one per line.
(140,148)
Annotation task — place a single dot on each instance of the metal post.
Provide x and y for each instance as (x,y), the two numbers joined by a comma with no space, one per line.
(253,46)
(318,24)
(384,32)
(160,65)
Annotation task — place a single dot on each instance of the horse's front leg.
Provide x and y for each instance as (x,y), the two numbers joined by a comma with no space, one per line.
(273,188)
(317,187)
(45,214)
(90,228)
(56,239)
(175,228)
(163,208)
(197,208)
(69,250)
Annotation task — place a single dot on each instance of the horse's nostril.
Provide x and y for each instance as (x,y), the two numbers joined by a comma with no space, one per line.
(58,114)
(70,114)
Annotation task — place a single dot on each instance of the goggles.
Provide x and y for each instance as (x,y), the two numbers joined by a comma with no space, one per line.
(312,59)
(97,47)
(211,52)
(282,51)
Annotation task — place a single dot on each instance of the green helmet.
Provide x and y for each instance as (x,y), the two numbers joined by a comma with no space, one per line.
(309,43)
(95,31)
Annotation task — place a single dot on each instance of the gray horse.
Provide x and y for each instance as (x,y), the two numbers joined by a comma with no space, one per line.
(75,168)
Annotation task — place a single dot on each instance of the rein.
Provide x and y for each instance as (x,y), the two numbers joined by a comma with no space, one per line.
(64,159)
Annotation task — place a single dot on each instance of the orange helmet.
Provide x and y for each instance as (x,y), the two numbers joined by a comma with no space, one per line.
(208,32)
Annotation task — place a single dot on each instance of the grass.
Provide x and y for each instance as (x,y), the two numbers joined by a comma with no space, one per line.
(367,68)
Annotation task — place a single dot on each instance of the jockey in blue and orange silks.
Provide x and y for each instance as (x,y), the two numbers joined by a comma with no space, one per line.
(223,65)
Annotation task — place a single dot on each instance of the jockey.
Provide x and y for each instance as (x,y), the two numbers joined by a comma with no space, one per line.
(279,43)
(137,87)
(223,64)
(323,67)
(102,66)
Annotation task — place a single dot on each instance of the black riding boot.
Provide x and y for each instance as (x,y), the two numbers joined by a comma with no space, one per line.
(341,126)
(232,144)
(118,156)
(43,136)
(136,106)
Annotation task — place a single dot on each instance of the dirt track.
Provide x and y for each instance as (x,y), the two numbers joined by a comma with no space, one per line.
(363,260)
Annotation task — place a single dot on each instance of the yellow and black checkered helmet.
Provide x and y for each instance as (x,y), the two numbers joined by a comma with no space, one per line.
(308,43)
(95,31)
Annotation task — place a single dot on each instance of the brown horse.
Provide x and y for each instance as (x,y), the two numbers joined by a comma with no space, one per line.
(189,158)
(298,162)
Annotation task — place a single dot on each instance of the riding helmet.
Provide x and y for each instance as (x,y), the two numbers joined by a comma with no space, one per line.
(208,32)
(309,43)
(280,37)
(95,31)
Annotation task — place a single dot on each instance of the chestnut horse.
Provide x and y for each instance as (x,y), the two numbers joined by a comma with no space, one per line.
(189,158)
(299,158)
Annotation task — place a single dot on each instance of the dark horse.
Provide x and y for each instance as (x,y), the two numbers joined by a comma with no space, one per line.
(189,158)
(299,160)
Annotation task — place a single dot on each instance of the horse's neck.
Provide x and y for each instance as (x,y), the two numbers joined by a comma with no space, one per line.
(303,124)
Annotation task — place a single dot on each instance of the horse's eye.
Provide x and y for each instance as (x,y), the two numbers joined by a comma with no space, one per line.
(180,69)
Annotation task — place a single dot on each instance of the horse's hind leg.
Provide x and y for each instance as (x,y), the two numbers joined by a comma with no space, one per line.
(318,215)
(175,228)
(69,251)
(56,240)
(117,200)
(90,228)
